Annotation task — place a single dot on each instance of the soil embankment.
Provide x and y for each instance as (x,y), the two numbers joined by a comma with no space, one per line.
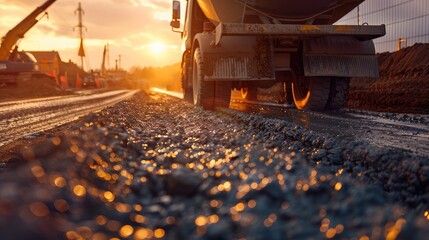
(30,88)
(403,85)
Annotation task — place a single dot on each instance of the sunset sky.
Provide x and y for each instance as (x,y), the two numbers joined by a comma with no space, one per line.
(136,29)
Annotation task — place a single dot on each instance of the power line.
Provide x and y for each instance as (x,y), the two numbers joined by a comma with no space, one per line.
(378,11)
(407,20)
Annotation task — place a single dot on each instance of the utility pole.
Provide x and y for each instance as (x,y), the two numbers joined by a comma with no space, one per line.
(120,60)
(400,41)
(358,15)
(108,56)
(81,53)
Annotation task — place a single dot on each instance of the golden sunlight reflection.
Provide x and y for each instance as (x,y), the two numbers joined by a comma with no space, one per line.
(138,218)
(143,233)
(170,220)
(101,220)
(113,225)
(123,208)
(39,209)
(72,235)
(126,231)
(393,232)
(61,205)
(38,171)
(338,186)
(200,221)
(60,182)
(79,190)
(108,196)
(159,233)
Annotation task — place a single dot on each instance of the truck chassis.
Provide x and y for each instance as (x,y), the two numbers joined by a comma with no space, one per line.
(313,61)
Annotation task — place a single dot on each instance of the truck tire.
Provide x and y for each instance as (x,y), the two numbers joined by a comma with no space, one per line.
(338,92)
(249,93)
(203,91)
(187,91)
(311,93)
(222,94)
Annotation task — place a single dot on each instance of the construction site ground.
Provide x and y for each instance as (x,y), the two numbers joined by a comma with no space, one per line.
(153,165)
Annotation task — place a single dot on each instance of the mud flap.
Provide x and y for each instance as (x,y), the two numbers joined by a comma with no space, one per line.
(340,57)
(237,58)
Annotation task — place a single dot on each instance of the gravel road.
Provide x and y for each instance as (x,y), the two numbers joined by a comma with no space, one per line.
(155,167)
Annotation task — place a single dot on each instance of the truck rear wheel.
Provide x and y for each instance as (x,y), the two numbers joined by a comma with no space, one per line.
(338,92)
(249,93)
(187,91)
(311,93)
(203,91)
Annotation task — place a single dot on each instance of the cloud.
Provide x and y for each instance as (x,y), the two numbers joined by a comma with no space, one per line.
(154,4)
(162,4)
(130,2)
(128,25)
(22,3)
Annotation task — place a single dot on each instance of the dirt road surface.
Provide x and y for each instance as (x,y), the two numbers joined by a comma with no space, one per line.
(26,118)
(155,167)
(407,132)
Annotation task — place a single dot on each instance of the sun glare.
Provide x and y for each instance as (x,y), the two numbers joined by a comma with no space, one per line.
(157,48)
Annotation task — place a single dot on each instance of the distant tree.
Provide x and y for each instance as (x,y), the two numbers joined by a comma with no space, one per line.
(166,77)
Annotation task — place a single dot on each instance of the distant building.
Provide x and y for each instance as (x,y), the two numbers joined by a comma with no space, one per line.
(406,21)
(49,62)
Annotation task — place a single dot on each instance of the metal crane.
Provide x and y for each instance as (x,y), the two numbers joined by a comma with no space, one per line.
(9,70)
(18,32)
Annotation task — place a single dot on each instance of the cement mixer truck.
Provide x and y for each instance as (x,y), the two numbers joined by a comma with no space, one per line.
(251,44)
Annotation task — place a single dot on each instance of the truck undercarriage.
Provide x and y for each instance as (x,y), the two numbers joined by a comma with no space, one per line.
(313,61)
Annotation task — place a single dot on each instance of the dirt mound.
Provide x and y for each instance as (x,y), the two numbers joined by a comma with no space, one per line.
(403,85)
(31,87)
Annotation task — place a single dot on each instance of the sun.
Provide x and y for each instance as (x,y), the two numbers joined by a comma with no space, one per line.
(157,48)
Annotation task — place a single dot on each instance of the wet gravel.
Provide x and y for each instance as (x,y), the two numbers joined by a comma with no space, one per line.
(155,167)
(400,117)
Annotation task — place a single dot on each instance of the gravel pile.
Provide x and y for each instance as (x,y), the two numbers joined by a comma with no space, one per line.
(155,167)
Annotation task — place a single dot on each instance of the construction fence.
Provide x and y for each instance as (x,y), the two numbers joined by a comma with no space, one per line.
(406,21)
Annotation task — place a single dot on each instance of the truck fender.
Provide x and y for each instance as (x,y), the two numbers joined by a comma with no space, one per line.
(203,40)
